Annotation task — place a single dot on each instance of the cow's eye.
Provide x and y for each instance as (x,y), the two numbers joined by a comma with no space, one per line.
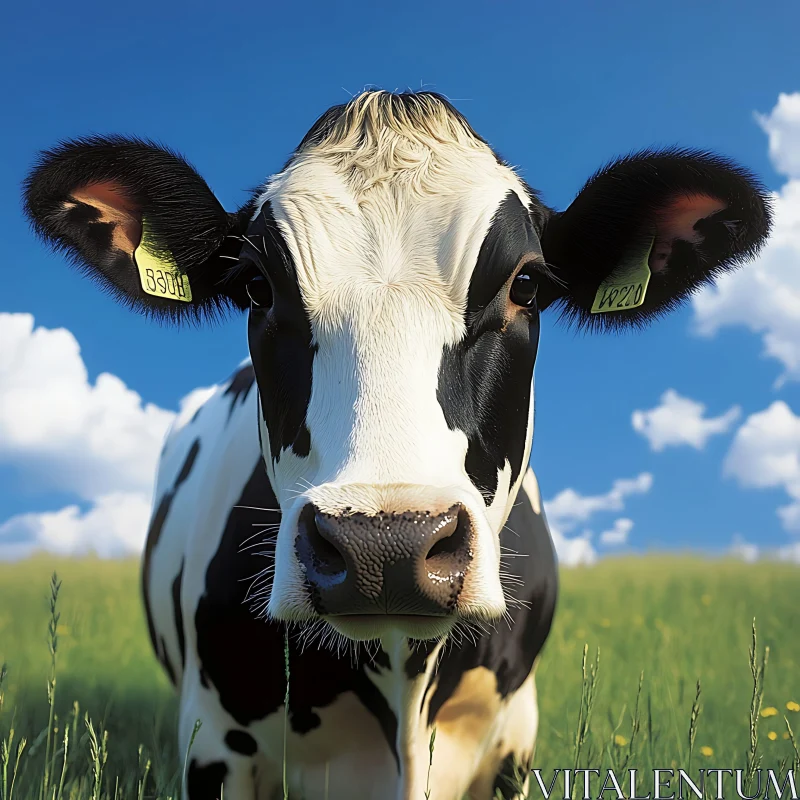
(260,292)
(523,288)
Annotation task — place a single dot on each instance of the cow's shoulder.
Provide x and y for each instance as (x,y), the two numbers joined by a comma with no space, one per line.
(208,455)
(210,417)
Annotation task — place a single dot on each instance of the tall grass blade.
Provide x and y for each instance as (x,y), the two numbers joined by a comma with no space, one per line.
(758,670)
(60,792)
(52,631)
(197,725)
(693,718)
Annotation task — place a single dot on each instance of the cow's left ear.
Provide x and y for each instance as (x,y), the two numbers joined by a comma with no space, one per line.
(689,216)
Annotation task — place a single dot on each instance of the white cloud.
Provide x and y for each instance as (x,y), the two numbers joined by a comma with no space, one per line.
(568,509)
(573,551)
(765,296)
(114,526)
(751,553)
(782,125)
(90,439)
(618,533)
(790,553)
(680,420)
(744,551)
(97,441)
(765,454)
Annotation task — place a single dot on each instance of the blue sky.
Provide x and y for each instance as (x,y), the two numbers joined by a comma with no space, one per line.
(558,89)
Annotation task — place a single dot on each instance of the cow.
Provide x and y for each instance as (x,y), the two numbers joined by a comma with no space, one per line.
(348,552)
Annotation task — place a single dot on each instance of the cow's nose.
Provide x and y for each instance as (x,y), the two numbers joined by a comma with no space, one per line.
(408,563)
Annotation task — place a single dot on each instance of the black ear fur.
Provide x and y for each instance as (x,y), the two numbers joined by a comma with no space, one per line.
(615,214)
(183,218)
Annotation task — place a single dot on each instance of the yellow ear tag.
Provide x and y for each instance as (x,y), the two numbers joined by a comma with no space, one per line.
(158,272)
(626,287)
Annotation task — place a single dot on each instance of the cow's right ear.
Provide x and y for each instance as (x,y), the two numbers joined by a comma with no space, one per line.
(139,220)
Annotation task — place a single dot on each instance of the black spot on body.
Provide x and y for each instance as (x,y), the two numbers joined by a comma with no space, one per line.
(241,742)
(153,537)
(187,465)
(415,663)
(239,387)
(485,380)
(242,656)
(206,782)
(163,657)
(178,613)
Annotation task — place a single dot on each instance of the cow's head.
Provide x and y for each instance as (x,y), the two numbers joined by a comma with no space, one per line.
(394,272)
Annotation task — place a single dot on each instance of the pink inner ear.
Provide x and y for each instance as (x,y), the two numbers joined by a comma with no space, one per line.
(676,221)
(114,207)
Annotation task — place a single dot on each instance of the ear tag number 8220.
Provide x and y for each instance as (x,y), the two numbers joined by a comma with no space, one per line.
(627,285)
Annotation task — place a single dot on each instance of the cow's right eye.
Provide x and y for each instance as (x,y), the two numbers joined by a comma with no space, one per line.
(260,292)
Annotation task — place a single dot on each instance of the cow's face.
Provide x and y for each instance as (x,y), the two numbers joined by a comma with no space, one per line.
(393,269)
(394,273)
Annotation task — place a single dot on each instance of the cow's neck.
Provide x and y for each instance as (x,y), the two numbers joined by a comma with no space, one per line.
(406,687)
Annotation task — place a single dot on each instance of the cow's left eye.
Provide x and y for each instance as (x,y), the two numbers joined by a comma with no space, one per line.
(523,289)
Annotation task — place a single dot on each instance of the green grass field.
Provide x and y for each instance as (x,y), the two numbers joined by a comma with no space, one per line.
(675,620)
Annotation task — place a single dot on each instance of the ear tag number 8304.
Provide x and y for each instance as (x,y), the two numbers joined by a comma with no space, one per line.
(158,272)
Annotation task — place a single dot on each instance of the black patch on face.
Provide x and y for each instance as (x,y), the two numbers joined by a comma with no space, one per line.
(242,656)
(205,783)
(485,380)
(177,611)
(241,742)
(301,446)
(153,536)
(280,341)
(239,387)
(506,783)
(509,651)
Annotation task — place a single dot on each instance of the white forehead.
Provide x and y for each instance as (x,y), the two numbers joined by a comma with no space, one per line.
(389,204)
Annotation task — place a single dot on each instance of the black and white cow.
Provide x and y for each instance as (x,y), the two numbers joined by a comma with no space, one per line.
(359,483)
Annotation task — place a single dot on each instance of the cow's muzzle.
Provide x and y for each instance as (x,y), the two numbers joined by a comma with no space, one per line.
(410,563)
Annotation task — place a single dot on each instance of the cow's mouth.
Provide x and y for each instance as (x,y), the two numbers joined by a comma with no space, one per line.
(366,627)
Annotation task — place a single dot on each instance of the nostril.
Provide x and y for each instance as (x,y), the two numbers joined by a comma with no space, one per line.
(316,552)
(451,552)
